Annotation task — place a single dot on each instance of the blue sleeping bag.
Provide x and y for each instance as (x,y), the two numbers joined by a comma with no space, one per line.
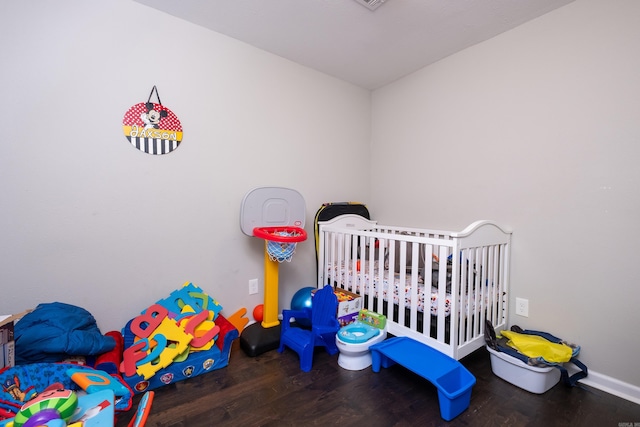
(56,331)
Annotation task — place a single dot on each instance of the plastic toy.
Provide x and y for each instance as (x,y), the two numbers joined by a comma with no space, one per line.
(26,383)
(258,312)
(238,319)
(355,339)
(144,407)
(280,245)
(204,331)
(193,296)
(42,418)
(324,326)
(175,339)
(275,215)
(302,299)
(169,330)
(63,401)
(94,409)
(453,381)
(154,326)
(92,381)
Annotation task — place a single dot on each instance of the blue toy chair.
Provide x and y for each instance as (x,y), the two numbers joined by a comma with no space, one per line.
(324,326)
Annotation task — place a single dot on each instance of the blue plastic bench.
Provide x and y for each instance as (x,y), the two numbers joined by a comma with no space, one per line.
(453,381)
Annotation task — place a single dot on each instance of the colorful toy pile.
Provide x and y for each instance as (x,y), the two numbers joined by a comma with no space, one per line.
(178,337)
(61,394)
(181,336)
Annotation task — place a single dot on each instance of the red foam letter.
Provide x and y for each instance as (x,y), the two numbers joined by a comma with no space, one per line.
(143,325)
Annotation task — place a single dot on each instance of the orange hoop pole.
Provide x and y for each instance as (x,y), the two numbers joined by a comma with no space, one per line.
(270,306)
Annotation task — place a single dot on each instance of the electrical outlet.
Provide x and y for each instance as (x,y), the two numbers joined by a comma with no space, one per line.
(253,286)
(522,307)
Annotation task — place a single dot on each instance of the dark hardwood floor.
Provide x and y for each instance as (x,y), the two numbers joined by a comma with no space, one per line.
(271,390)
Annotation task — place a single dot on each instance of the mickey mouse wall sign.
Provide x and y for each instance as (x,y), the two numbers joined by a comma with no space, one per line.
(151,127)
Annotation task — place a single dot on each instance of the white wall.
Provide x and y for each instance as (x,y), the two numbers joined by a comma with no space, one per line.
(89,220)
(538,128)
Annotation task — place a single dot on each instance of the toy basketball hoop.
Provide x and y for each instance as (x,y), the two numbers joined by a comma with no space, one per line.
(281,241)
(275,215)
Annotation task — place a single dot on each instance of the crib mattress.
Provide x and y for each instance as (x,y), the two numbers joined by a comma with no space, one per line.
(362,282)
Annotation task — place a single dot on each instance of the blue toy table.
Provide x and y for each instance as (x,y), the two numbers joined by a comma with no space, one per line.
(453,381)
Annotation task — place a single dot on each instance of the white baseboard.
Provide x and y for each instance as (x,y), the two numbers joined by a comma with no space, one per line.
(612,386)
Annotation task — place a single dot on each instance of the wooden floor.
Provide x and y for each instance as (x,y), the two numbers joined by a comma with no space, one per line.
(270,390)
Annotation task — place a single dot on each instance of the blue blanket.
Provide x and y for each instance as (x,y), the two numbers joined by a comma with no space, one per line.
(55,331)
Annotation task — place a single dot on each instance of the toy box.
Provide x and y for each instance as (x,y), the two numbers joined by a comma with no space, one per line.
(349,305)
(531,378)
(372,318)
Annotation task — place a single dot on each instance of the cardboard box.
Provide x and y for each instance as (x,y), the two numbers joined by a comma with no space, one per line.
(349,305)
(7,343)
(6,330)
(7,350)
(8,357)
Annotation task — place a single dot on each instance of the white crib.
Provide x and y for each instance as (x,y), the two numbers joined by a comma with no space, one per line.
(437,287)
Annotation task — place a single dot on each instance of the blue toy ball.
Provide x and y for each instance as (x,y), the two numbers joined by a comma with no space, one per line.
(302,299)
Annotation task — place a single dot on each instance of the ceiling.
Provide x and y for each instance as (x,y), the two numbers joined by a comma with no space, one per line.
(348,40)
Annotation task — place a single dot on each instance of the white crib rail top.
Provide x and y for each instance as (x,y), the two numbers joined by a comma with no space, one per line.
(483,231)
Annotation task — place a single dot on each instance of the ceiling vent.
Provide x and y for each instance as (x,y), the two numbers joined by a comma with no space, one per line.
(371,4)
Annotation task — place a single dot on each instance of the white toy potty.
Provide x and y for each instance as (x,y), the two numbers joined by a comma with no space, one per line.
(354,340)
